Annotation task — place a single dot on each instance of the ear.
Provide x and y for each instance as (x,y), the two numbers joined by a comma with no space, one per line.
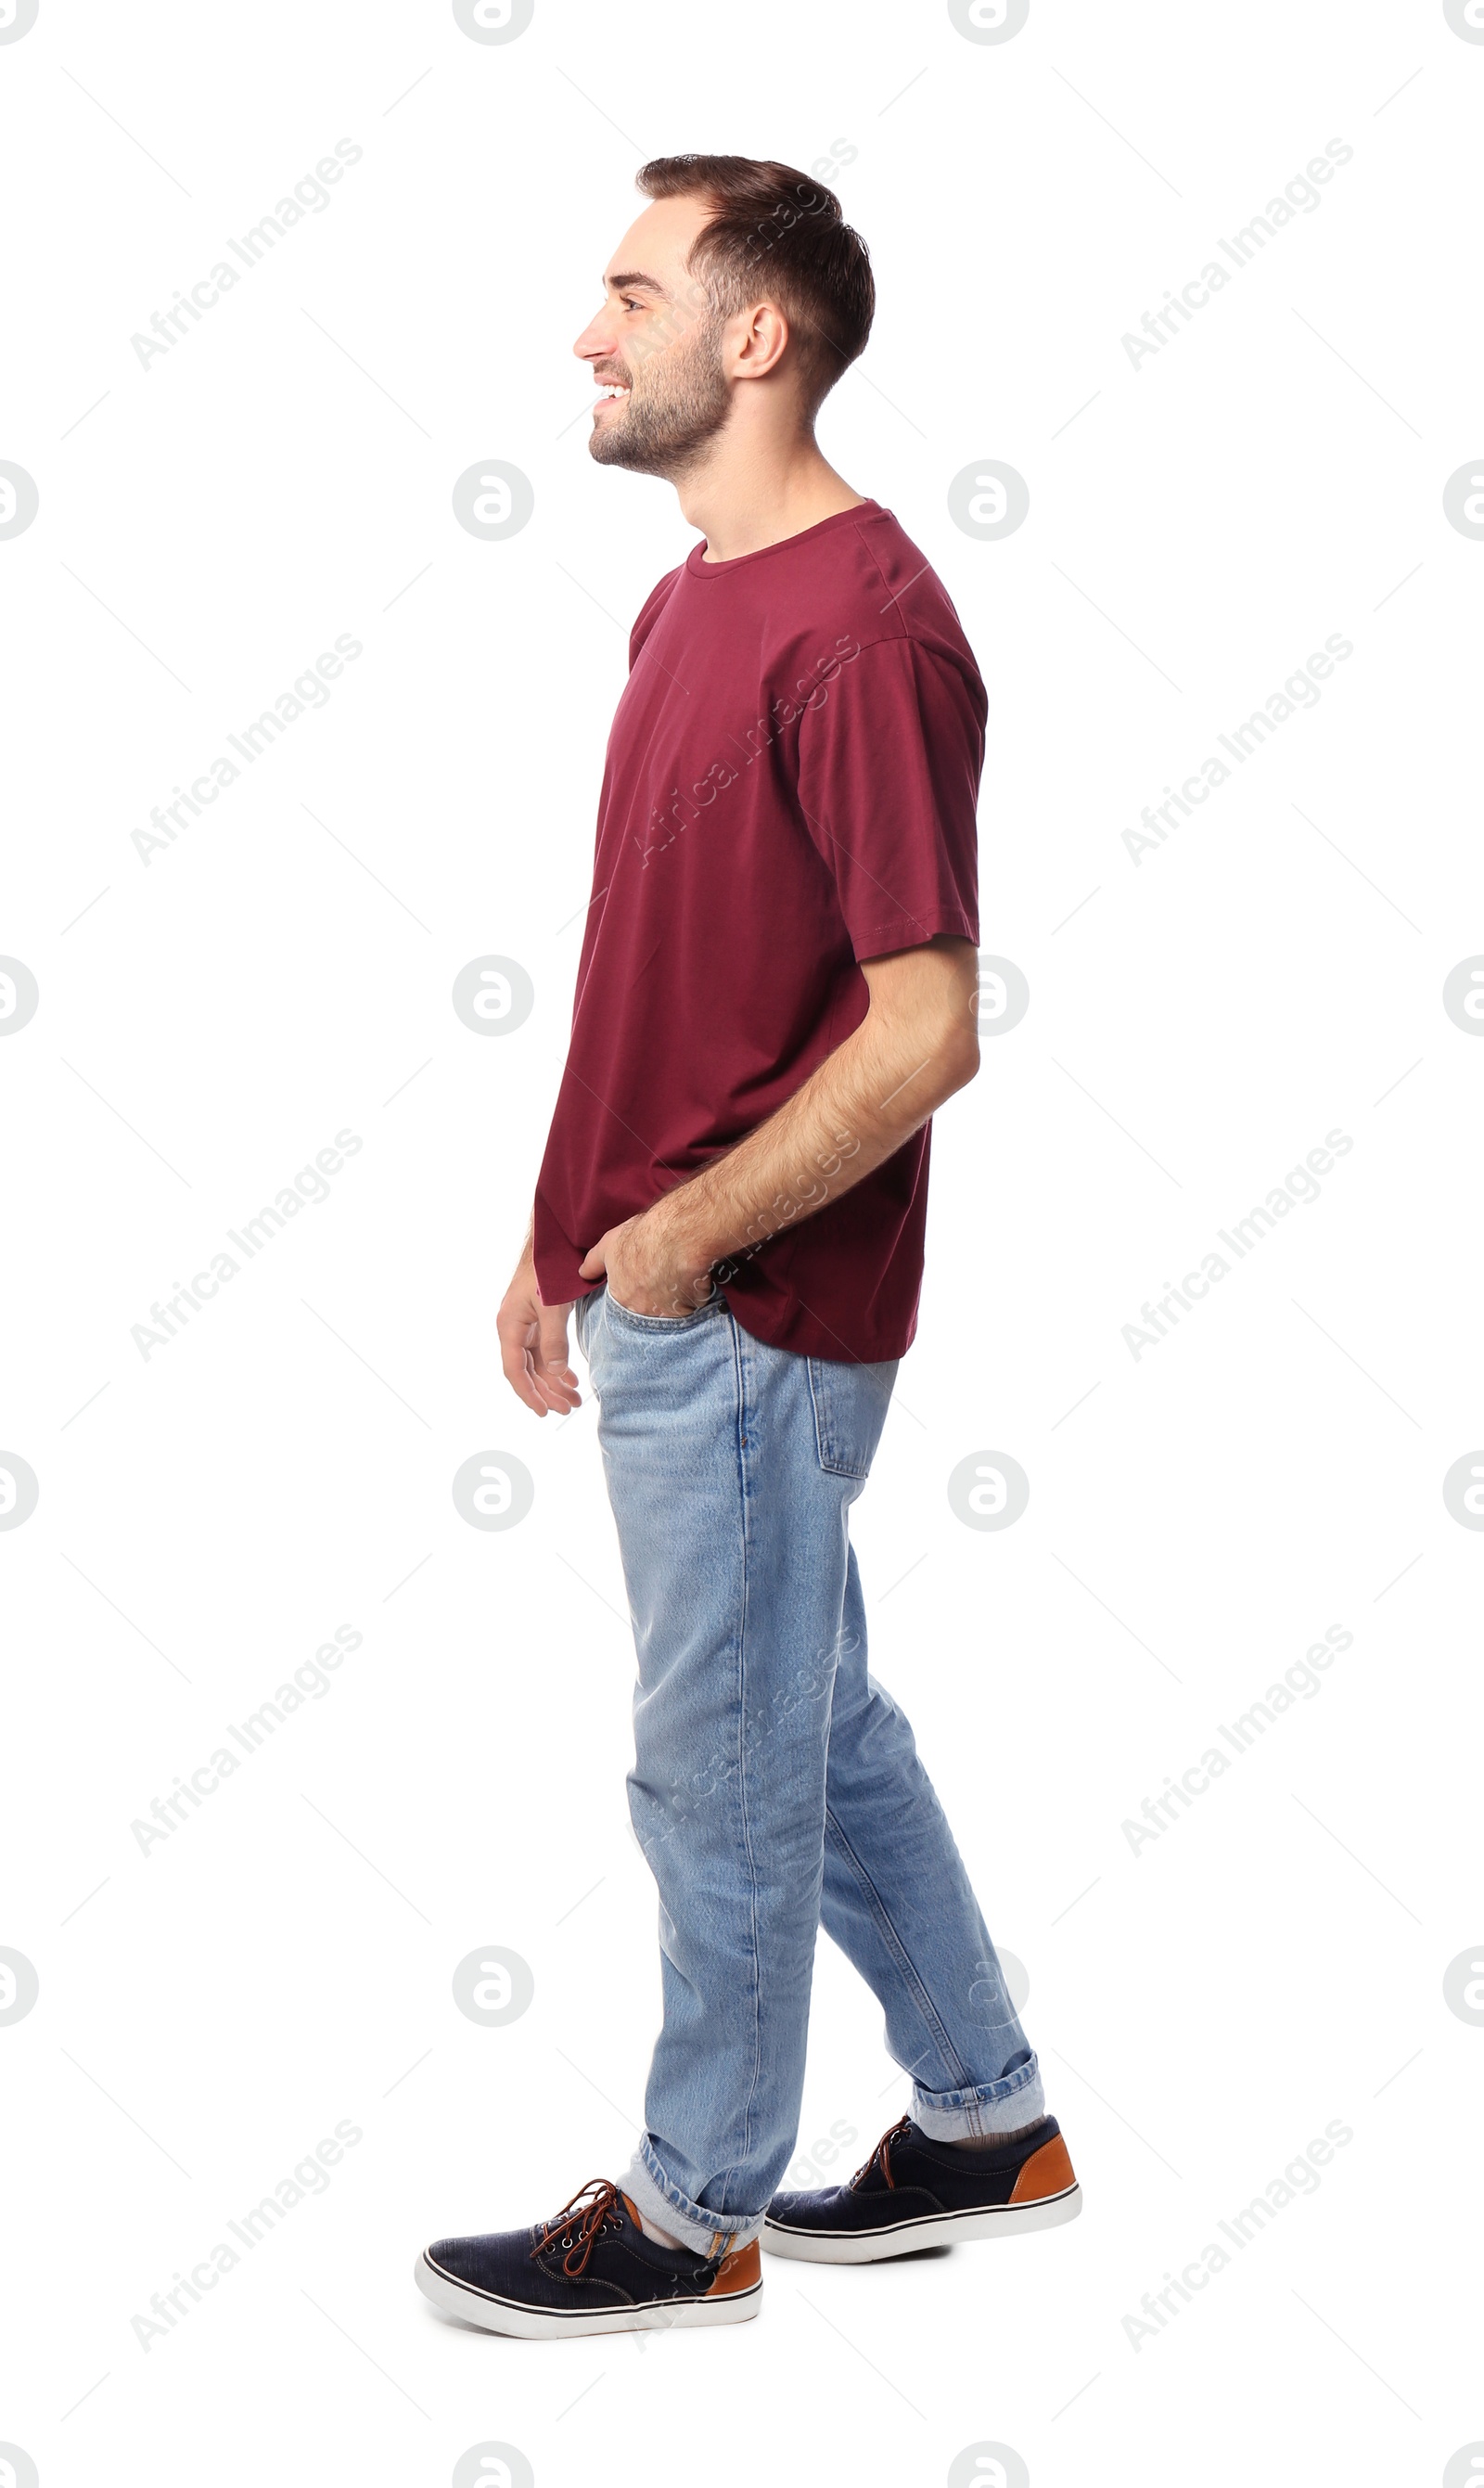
(756,341)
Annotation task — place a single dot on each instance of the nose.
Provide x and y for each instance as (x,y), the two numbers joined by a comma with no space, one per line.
(596,340)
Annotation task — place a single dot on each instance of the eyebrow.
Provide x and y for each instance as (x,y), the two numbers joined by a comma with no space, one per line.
(628,280)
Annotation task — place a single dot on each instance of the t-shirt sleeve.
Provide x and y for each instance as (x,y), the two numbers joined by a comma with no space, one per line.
(888,783)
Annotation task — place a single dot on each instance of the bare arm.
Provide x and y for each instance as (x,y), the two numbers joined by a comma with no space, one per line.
(917,1043)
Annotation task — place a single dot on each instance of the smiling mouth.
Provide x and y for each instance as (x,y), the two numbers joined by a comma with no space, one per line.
(611,393)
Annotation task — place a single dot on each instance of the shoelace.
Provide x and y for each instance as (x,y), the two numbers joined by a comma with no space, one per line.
(580,2225)
(883,2152)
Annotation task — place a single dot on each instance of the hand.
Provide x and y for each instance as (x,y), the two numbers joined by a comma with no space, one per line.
(650,1267)
(533,1344)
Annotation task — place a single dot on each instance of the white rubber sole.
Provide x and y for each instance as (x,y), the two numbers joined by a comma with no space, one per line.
(933,2229)
(495,2314)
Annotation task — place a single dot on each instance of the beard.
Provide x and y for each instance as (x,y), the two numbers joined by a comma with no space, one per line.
(674,411)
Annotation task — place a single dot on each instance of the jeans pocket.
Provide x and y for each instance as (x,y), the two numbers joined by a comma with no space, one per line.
(850,1411)
(662,1321)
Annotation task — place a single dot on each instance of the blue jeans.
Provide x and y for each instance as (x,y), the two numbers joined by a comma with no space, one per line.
(775,1783)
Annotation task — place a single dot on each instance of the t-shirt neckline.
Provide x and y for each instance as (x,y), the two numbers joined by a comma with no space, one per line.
(699,567)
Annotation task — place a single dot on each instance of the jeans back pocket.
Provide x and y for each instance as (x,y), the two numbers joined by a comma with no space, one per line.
(850,1411)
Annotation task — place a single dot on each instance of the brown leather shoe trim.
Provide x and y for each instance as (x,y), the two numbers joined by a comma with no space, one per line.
(739,2271)
(1047,2172)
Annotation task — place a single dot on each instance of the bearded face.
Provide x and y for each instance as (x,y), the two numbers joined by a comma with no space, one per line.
(665,407)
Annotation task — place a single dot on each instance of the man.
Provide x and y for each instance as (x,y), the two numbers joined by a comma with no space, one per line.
(776,990)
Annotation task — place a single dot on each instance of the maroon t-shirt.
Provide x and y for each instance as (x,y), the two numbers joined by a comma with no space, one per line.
(790,788)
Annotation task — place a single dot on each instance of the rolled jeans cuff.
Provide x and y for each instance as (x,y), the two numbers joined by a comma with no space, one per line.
(657,2199)
(983,2109)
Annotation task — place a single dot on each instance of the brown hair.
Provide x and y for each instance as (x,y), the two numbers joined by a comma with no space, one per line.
(776,229)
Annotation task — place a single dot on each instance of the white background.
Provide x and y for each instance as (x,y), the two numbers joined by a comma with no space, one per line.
(209,1021)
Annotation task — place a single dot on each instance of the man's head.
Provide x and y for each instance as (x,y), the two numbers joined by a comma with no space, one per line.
(738,275)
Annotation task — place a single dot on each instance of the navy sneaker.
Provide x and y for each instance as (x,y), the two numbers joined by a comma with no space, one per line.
(914,2192)
(590,2270)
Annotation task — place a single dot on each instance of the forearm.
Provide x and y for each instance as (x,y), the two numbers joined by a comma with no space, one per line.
(917,1043)
(860,1106)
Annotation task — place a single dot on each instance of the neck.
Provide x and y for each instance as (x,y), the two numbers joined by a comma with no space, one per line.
(749,493)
